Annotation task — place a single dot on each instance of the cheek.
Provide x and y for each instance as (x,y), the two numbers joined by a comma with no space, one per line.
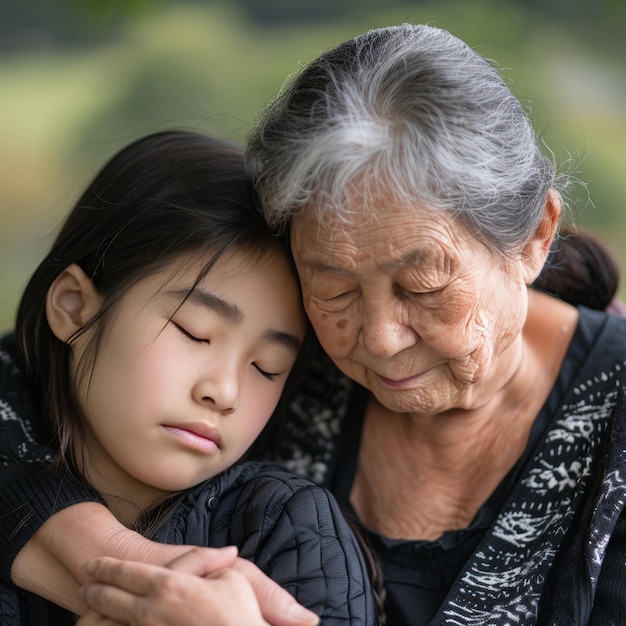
(149,370)
(150,373)
(261,400)
(455,321)
(490,323)
(334,331)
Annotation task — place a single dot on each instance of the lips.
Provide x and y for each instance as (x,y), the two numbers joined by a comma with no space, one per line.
(196,434)
(400,381)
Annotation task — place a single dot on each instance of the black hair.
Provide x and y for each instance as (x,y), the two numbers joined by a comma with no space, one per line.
(169,194)
(580,269)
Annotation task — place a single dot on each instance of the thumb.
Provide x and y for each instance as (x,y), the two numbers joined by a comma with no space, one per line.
(278,606)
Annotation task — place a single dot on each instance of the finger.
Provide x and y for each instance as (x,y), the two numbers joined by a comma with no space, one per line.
(93,618)
(112,605)
(134,577)
(278,606)
(203,561)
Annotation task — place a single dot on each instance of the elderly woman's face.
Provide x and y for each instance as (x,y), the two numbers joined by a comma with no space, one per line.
(411,306)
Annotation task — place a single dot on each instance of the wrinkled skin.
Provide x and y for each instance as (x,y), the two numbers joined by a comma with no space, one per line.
(413,307)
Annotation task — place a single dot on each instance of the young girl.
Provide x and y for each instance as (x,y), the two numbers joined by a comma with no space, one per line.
(157,336)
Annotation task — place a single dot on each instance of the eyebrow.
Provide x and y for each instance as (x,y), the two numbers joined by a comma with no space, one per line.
(232,313)
(223,308)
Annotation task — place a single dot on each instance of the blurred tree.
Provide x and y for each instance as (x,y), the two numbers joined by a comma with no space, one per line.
(105,11)
(33,24)
(66,22)
(285,11)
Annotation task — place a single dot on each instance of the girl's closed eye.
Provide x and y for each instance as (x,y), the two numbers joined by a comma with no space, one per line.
(273,375)
(188,334)
(266,374)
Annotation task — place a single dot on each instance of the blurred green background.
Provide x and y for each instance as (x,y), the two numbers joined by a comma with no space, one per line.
(78,79)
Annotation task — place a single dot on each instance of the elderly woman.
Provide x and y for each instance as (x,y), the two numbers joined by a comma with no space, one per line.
(473,427)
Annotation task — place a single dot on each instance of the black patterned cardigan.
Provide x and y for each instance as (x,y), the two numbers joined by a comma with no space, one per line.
(556,553)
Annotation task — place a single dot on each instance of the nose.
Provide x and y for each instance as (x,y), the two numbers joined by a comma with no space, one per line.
(218,389)
(385,330)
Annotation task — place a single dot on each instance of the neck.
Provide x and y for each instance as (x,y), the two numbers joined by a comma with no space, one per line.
(126,496)
(124,502)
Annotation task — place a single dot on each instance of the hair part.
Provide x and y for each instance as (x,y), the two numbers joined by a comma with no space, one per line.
(409,111)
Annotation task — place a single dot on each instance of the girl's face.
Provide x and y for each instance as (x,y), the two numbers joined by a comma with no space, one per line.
(179,392)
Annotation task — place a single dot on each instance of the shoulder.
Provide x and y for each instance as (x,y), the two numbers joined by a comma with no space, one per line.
(610,326)
(262,493)
(253,495)
(256,502)
(602,338)
(291,528)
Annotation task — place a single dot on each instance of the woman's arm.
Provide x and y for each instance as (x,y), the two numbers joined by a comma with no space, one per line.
(52,564)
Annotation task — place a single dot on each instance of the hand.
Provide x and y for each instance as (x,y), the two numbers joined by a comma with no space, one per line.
(199,588)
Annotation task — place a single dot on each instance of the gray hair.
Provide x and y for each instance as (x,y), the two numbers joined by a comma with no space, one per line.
(412,110)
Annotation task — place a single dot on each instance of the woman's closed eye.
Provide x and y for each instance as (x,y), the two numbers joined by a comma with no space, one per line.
(336,296)
(430,293)
(337,301)
(423,291)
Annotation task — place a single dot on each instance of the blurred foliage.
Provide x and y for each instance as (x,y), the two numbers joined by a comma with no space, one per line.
(80,78)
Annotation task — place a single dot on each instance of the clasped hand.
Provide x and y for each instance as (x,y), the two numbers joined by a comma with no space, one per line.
(203,587)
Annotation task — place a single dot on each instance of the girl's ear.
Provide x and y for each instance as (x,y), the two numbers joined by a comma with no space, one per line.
(72,300)
(536,251)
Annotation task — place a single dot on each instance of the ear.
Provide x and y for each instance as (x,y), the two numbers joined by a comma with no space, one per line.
(535,252)
(72,300)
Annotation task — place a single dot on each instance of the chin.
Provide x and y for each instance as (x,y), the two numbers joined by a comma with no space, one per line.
(408,402)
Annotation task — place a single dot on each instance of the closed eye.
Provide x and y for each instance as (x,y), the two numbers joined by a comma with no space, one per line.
(337,303)
(268,375)
(434,292)
(187,334)
(337,297)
